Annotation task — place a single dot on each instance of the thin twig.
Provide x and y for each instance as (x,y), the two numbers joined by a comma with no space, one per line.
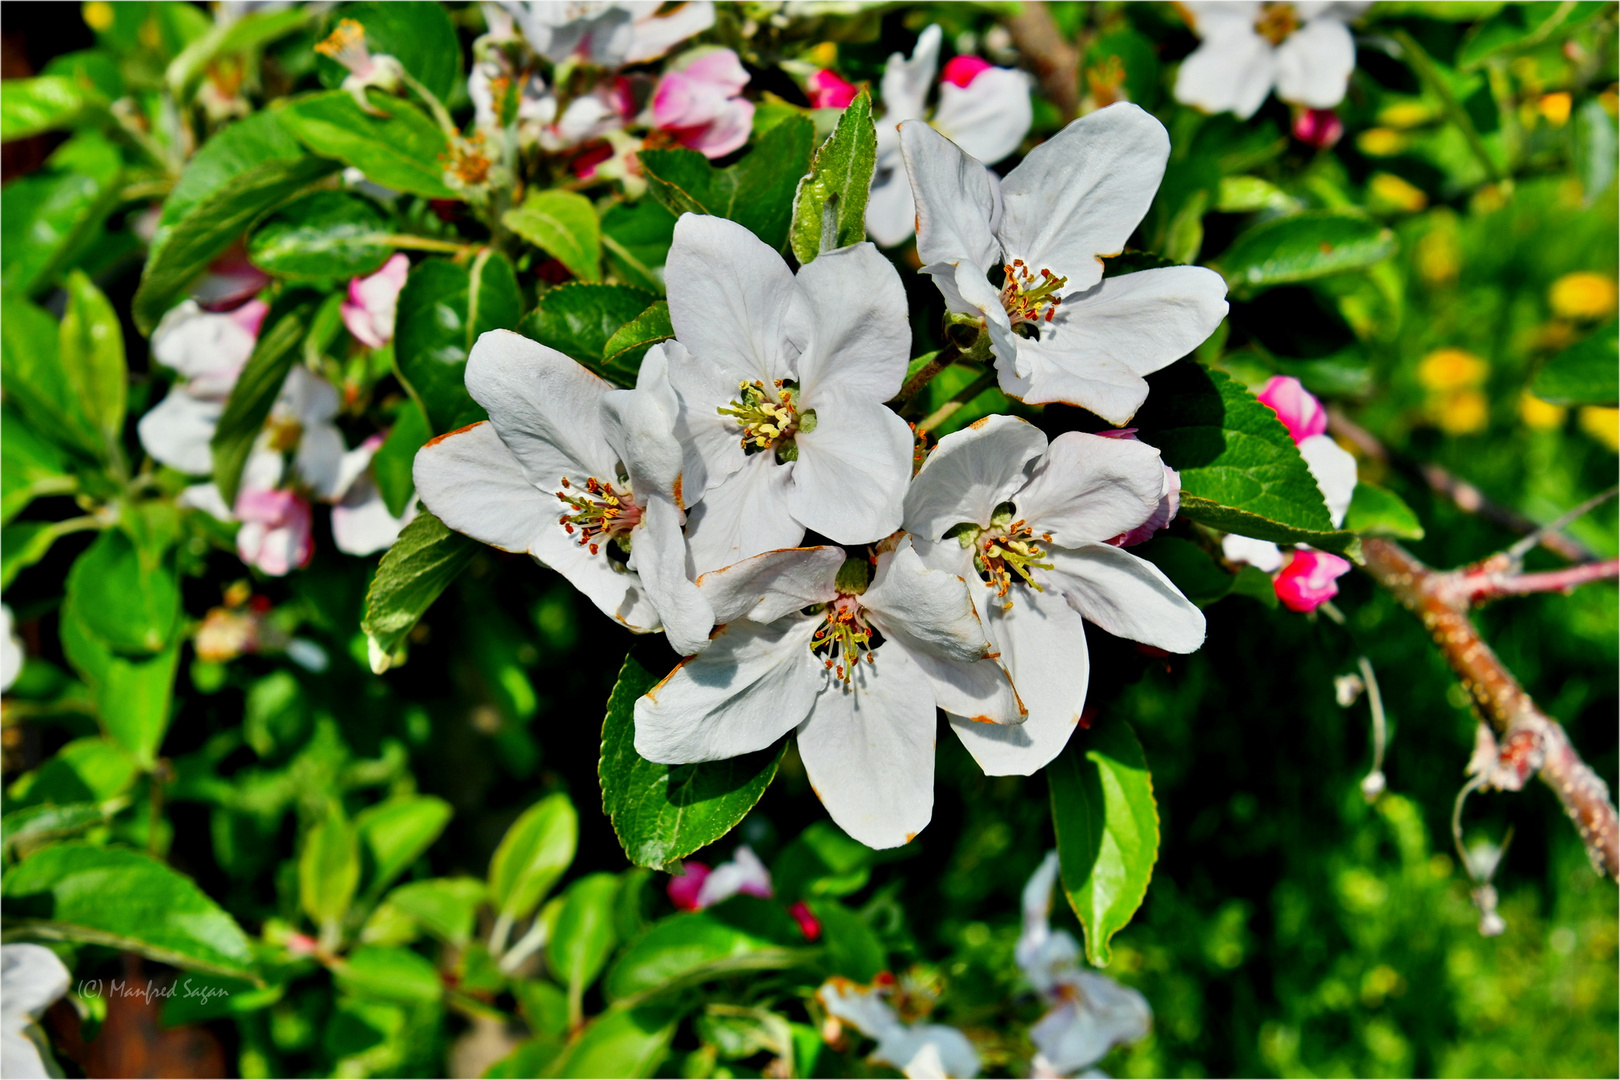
(1466,496)
(959,399)
(926,374)
(1520,548)
(1530,741)
(1372,785)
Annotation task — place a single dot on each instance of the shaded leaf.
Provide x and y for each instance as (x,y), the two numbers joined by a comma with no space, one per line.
(33,378)
(443,309)
(636,237)
(49,217)
(328,234)
(829,207)
(254,395)
(401,149)
(1586,373)
(419,566)
(579,320)
(389,974)
(757,192)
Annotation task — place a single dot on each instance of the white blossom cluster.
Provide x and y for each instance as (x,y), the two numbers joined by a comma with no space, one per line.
(756,498)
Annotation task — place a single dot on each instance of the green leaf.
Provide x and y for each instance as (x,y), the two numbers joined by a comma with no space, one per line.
(85,770)
(443,309)
(419,566)
(853,948)
(691,947)
(1378,511)
(420,36)
(255,140)
(394,834)
(626,1042)
(184,251)
(621,356)
(757,192)
(254,395)
(1306,246)
(444,907)
(48,218)
(662,813)
(533,855)
(34,381)
(387,974)
(829,208)
(822,861)
(636,237)
(35,826)
(1107,830)
(1189,567)
(1586,373)
(30,468)
(391,467)
(564,224)
(131,697)
(123,900)
(128,598)
(1240,471)
(1595,142)
(92,351)
(328,234)
(580,320)
(328,869)
(34,106)
(584,934)
(402,149)
(229,37)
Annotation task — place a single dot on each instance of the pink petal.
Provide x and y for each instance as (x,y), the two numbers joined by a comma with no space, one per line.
(1299,411)
(275,535)
(719,68)
(1310,579)
(808,923)
(828,91)
(683,890)
(727,133)
(962,70)
(250,316)
(1320,128)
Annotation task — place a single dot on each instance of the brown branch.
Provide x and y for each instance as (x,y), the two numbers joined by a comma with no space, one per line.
(1529,741)
(1055,61)
(1466,496)
(1489,582)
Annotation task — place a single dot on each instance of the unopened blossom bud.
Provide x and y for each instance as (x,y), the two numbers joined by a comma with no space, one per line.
(275,533)
(962,70)
(1320,128)
(808,923)
(683,890)
(1310,579)
(828,91)
(1299,411)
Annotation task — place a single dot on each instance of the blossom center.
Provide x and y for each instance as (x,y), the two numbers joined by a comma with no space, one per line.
(843,637)
(1005,551)
(599,515)
(1031,297)
(347,45)
(1276,21)
(770,417)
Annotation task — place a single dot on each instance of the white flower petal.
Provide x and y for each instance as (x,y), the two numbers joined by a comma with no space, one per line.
(1126,596)
(729,296)
(989,117)
(1089,489)
(201,344)
(319,460)
(890,214)
(869,750)
(545,407)
(641,430)
(768,587)
(929,611)
(1314,63)
(713,443)
(955,196)
(744,873)
(853,469)
(981,691)
(33,979)
(746,514)
(177,432)
(856,337)
(929,1052)
(205,497)
(1080,194)
(1230,72)
(12,657)
(1043,644)
(970,473)
(1210,17)
(470,481)
(1099,1015)
(1260,554)
(1143,321)
(751,686)
(906,81)
(656,34)
(1054,373)
(361,523)
(658,556)
(1334,469)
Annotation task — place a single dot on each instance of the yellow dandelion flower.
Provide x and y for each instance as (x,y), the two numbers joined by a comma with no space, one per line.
(1583,295)
(1452,369)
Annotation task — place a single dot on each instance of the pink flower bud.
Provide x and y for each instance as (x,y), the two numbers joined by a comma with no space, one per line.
(1310,579)
(828,91)
(808,923)
(683,890)
(962,70)
(1320,128)
(1301,413)
(275,533)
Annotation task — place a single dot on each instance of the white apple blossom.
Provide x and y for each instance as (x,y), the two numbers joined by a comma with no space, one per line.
(32,979)
(855,669)
(373,302)
(608,34)
(361,523)
(1303,49)
(1030,522)
(920,1051)
(12,656)
(1091,1013)
(985,110)
(781,381)
(208,350)
(585,478)
(1059,332)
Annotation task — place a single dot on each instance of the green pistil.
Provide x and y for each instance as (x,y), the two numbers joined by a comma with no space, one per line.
(766,421)
(1031,297)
